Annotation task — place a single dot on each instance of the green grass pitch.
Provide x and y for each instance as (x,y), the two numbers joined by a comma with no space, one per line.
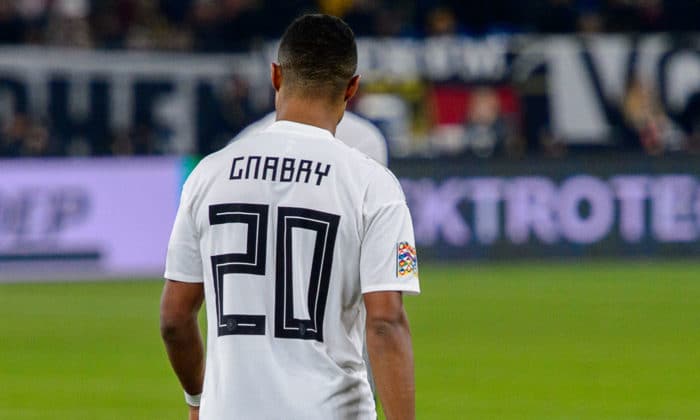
(602,340)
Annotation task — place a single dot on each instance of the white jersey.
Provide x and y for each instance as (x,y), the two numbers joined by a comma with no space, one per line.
(287,228)
(353,130)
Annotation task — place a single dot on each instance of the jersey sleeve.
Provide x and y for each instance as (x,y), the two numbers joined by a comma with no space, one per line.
(183,261)
(388,260)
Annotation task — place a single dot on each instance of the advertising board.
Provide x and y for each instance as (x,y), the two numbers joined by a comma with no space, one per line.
(428,96)
(598,206)
(102,218)
(107,217)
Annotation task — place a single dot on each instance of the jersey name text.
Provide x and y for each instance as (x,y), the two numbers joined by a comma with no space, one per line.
(279,169)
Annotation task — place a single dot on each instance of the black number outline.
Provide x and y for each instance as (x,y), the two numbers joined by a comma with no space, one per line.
(251,262)
(326,227)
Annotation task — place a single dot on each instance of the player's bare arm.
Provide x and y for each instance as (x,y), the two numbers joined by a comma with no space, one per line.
(179,306)
(391,353)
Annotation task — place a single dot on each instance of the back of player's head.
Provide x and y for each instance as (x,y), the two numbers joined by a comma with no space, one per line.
(318,55)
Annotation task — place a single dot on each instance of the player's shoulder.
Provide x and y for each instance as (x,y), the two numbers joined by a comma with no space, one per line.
(352,155)
(387,178)
(382,189)
(373,174)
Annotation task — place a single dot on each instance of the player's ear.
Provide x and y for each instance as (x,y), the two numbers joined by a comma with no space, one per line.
(276,76)
(353,86)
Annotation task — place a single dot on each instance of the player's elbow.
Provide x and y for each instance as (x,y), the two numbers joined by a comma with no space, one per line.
(173,323)
(179,306)
(386,325)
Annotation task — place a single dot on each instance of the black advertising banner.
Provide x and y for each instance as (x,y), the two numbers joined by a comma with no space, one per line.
(595,206)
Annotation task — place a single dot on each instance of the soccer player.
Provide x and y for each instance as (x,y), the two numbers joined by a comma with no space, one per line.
(297,243)
(352,130)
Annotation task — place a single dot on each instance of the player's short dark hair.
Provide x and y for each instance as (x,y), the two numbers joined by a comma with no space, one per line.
(318,55)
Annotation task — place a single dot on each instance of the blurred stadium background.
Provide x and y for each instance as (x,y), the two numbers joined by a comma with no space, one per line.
(549,151)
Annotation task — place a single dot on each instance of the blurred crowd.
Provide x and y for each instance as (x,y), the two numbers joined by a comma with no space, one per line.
(483,129)
(235,25)
(643,126)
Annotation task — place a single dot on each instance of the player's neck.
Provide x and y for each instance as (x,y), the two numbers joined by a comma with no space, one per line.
(317,113)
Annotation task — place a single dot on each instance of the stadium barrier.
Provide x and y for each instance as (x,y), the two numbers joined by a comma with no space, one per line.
(103,217)
(600,206)
(93,218)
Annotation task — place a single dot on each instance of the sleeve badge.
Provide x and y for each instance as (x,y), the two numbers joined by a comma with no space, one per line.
(406,260)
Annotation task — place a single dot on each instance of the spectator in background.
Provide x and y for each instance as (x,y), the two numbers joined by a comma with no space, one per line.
(34,15)
(24,137)
(142,25)
(486,131)
(37,141)
(232,25)
(359,15)
(11,25)
(647,125)
(393,21)
(121,143)
(235,25)
(150,29)
(590,17)
(12,136)
(141,140)
(68,24)
(110,22)
(226,25)
(635,15)
(372,18)
(441,21)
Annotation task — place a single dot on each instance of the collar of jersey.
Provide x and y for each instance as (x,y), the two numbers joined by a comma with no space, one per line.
(295,127)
